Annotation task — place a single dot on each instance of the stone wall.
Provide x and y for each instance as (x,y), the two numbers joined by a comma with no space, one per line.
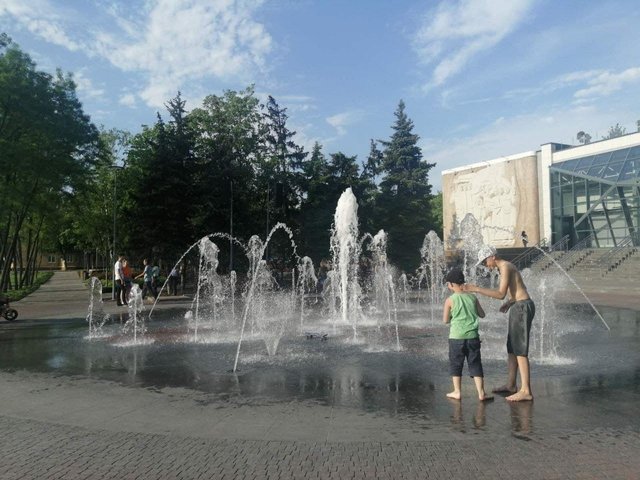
(501,194)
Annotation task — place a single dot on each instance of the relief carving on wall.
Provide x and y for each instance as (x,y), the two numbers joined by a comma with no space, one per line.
(491,196)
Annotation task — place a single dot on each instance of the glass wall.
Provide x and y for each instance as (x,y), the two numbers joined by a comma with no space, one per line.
(596,199)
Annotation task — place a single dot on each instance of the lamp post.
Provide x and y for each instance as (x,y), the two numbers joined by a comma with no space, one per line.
(231,229)
(113,246)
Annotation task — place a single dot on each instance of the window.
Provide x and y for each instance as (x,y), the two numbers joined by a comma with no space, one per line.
(51,259)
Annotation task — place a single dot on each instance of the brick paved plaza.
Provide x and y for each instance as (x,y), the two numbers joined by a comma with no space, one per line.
(86,426)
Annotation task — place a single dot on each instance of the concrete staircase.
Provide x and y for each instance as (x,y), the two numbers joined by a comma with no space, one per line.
(597,269)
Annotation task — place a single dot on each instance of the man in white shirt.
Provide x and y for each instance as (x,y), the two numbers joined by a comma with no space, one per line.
(119,277)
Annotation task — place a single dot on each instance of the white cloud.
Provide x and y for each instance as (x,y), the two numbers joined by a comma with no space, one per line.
(606,83)
(41,19)
(85,86)
(510,135)
(457,31)
(184,40)
(340,121)
(590,84)
(128,100)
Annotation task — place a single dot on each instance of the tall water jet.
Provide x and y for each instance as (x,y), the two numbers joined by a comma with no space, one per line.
(96,317)
(136,320)
(573,282)
(403,287)
(471,235)
(546,344)
(346,254)
(383,286)
(209,292)
(432,267)
(307,282)
(260,279)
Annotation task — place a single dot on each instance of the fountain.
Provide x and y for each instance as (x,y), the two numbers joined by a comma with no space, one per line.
(96,317)
(244,350)
(432,269)
(135,325)
(345,251)
(358,302)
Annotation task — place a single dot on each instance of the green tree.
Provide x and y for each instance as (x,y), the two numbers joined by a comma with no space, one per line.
(157,188)
(438,218)
(583,137)
(281,172)
(315,209)
(615,131)
(403,204)
(47,148)
(229,148)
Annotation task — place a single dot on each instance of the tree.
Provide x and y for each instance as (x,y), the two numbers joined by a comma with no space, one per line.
(615,131)
(281,171)
(229,136)
(157,188)
(86,221)
(403,204)
(284,160)
(47,149)
(436,209)
(315,211)
(583,137)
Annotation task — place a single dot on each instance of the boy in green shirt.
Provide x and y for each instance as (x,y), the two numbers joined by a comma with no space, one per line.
(462,310)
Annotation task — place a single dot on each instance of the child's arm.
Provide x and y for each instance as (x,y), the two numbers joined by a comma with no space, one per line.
(479,309)
(446,314)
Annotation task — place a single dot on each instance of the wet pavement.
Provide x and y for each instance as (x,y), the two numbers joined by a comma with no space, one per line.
(78,407)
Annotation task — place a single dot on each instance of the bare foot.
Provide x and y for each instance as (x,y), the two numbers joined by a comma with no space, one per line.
(454,395)
(486,398)
(520,397)
(504,389)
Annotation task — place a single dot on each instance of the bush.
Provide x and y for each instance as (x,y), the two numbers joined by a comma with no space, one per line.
(19,293)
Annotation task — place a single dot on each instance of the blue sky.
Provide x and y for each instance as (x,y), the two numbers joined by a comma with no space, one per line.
(480,78)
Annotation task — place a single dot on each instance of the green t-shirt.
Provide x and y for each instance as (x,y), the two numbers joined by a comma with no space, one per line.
(464,317)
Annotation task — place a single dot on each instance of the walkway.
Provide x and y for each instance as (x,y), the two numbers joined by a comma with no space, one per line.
(57,427)
(65,296)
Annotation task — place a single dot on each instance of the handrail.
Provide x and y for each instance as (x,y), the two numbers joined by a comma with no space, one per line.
(583,243)
(530,254)
(576,250)
(607,259)
(561,244)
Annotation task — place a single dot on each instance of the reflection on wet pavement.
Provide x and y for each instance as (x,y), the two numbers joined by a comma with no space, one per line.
(336,373)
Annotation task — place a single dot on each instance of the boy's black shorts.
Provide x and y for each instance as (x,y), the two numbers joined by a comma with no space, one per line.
(521,315)
(461,349)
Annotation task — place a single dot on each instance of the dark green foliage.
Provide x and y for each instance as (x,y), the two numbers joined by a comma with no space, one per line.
(157,188)
(231,165)
(48,148)
(403,204)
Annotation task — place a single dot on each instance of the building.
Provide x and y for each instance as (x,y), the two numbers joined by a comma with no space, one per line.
(587,193)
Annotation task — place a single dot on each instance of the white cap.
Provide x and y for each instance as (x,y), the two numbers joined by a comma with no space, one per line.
(485,252)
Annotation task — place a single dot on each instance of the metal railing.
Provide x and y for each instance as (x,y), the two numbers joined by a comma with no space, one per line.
(571,257)
(527,257)
(562,244)
(618,254)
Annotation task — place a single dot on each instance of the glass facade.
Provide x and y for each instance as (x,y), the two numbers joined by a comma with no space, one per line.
(596,199)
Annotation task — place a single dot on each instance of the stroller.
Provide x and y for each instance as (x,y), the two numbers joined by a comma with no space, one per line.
(6,311)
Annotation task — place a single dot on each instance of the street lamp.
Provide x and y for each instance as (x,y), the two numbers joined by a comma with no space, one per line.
(114,253)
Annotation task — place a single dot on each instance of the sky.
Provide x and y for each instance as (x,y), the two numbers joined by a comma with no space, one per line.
(480,79)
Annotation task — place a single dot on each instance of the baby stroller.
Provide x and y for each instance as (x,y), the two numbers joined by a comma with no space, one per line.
(6,311)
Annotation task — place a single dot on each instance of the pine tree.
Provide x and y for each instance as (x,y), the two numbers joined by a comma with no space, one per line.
(405,193)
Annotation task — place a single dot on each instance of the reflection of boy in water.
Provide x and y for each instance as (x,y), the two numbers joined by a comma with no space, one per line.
(521,312)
